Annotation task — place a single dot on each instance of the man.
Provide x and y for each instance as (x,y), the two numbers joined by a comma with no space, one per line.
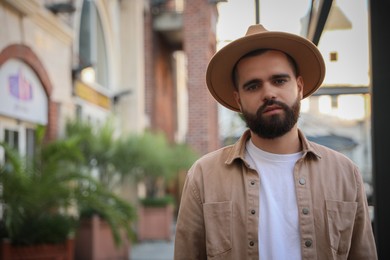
(273,194)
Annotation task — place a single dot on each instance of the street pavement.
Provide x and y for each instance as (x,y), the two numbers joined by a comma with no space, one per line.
(152,250)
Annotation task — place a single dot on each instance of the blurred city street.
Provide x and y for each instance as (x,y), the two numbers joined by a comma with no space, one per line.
(153,249)
(104,107)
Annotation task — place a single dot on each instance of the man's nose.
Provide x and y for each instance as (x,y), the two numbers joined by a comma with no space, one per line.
(268,92)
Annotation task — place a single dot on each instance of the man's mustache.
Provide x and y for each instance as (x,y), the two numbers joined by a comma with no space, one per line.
(271,102)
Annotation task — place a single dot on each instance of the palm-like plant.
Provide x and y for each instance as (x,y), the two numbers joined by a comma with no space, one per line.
(42,197)
(147,157)
(150,158)
(101,149)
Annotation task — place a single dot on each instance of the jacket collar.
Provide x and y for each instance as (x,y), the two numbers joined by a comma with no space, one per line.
(238,149)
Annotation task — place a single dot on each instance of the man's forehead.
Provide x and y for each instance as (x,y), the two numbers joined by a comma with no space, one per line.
(272,58)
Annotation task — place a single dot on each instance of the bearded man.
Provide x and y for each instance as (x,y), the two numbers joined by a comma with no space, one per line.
(273,194)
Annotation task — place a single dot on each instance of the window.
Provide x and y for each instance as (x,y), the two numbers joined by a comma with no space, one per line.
(30,143)
(92,46)
(20,137)
(11,138)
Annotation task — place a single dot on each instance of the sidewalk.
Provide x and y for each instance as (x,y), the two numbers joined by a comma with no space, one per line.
(154,250)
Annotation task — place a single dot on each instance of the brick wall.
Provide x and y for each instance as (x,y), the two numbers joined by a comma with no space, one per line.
(160,94)
(200,45)
(164,91)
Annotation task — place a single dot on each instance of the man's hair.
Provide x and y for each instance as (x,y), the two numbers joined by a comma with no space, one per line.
(257,52)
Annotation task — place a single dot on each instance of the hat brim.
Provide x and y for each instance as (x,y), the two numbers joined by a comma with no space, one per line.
(309,60)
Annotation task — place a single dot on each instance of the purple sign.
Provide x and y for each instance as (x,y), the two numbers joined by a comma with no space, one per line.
(19,87)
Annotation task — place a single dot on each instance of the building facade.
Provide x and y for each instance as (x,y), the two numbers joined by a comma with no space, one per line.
(65,59)
(180,39)
(141,62)
(35,75)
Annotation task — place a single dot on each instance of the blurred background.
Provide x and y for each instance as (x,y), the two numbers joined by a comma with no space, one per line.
(121,83)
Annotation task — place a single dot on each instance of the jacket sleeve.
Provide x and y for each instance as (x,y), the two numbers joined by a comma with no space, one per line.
(190,230)
(363,243)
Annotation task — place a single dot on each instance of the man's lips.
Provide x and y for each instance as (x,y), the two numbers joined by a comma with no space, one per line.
(272,108)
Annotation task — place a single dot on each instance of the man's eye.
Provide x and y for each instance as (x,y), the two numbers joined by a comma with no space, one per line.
(280,81)
(251,87)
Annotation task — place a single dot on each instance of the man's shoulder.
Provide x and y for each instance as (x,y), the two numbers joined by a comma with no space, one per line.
(328,154)
(218,155)
(219,166)
(213,162)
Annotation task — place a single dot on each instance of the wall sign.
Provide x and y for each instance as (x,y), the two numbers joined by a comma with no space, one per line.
(91,95)
(21,93)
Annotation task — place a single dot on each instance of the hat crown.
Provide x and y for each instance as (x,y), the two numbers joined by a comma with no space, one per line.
(254,29)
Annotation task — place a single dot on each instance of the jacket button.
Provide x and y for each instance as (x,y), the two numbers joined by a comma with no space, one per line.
(308,243)
(253,212)
(253,183)
(302,181)
(251,243)
(305,211)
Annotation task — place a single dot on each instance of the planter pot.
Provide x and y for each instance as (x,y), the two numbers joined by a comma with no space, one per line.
(63,251)
(94,241)
(155,223)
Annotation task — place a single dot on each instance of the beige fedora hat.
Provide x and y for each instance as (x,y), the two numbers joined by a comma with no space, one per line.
(309,60)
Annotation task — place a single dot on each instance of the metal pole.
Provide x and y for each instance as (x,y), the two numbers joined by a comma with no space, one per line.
(257,11)
(380,56)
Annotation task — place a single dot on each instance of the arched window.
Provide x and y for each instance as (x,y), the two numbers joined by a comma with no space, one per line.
(92,45)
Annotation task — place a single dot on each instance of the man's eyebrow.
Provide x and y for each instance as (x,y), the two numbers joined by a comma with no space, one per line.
(252,81)
(279,76)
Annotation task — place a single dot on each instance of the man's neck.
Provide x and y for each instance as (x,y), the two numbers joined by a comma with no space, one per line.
(286,144)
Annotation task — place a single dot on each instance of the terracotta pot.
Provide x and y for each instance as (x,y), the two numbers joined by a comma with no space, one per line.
(94,241)
(63,251)
(155,223)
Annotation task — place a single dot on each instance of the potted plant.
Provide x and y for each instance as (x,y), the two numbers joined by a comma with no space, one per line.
(100,147)
(42,197)
(148,159)
(35,201)
(155,218)
(156,163)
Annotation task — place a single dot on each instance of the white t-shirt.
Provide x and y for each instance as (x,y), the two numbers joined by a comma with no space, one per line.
(279,236)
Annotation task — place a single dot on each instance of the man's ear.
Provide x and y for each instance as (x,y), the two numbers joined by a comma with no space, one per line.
(300,86)
(237,98)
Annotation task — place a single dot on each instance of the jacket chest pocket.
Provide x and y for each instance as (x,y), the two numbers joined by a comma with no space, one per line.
(218,223)
(341,218)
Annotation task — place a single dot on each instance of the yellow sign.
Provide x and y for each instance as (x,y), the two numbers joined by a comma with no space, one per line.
(89,94)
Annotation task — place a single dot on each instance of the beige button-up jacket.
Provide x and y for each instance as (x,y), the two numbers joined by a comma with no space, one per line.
(218,215)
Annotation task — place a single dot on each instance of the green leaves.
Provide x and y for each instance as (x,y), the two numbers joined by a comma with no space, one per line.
(34,199)
(76,175)
(43,197)
(145,157)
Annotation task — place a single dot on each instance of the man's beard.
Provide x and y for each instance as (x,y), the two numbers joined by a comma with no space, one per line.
(270,127)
